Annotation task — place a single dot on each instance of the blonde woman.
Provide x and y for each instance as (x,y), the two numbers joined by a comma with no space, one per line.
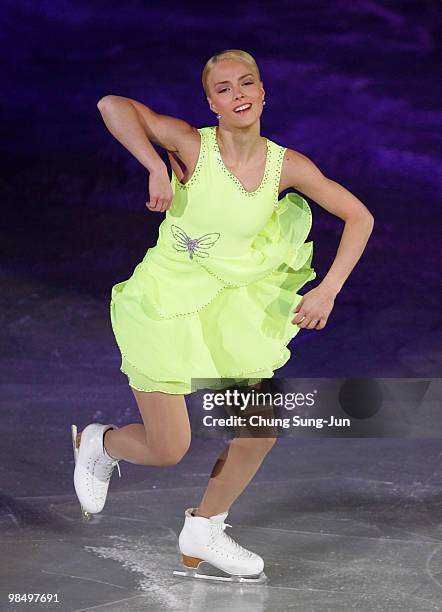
(216,297)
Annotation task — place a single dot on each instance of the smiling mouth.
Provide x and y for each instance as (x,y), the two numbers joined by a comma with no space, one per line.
(242,112)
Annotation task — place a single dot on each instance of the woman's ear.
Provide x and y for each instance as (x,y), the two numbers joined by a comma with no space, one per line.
(210,105)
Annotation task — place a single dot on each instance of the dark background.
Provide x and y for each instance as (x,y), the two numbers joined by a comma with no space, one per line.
(356,87)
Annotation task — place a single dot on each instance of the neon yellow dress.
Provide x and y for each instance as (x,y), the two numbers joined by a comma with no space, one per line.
(213,299)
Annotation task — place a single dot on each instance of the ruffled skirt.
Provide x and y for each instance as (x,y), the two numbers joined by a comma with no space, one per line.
(182,325)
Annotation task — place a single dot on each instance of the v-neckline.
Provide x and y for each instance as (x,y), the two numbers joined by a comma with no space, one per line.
(233,176)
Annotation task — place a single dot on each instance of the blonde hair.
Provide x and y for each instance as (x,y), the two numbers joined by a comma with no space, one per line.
(236,54)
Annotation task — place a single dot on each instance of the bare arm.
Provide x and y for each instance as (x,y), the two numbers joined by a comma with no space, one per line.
(315,306)
(123,122)
(336,199)
(134,125)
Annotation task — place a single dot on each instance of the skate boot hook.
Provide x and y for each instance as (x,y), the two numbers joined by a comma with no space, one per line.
(93,468)
(204,541)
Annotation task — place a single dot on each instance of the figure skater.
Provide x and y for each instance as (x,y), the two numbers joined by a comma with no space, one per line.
(214,298)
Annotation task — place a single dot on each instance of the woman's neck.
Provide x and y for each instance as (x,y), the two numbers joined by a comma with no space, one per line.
(240,146)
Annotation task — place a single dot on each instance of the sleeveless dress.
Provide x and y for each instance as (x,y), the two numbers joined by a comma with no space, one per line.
(211,303)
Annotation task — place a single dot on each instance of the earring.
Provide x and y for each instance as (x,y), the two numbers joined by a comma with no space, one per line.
(263,102)
(218,116)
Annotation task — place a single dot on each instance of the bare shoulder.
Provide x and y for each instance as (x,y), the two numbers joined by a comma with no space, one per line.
(297,170)
(173,134)
(188,145)
(185,158)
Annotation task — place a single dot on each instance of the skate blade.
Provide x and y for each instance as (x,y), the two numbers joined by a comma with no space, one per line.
(194,573)
(86,516)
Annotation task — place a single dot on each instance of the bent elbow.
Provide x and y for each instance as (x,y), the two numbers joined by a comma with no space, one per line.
(104,101)
(369,218)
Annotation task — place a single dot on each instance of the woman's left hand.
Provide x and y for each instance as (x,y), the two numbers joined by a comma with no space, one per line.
(314,308)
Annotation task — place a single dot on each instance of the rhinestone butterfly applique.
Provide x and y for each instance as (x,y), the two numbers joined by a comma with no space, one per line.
(194,246)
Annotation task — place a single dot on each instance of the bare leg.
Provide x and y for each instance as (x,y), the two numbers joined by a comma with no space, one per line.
(162,439)
(234,469)
(232,472)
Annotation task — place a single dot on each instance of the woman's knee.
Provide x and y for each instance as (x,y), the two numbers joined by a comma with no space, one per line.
(170,454)
(167,425)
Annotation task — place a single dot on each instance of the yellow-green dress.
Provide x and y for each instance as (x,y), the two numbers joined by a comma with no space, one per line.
(213,299)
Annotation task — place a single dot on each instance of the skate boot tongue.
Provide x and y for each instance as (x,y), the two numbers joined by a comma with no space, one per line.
(219,518)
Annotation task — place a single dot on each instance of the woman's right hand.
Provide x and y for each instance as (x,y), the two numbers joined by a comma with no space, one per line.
(160,190)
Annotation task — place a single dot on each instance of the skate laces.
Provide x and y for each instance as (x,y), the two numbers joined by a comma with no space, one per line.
(103,472)
(228,543)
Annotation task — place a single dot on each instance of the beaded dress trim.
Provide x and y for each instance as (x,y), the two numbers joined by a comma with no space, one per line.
(231,175)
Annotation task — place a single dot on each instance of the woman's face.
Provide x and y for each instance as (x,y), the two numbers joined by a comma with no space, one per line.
(233,83)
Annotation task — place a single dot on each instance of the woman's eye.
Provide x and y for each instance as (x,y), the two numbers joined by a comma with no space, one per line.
(225,88)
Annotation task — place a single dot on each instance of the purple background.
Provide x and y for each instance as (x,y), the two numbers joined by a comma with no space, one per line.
(354,86)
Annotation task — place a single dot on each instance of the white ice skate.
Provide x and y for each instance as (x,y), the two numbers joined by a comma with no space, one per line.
(93,467)
(202,540)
